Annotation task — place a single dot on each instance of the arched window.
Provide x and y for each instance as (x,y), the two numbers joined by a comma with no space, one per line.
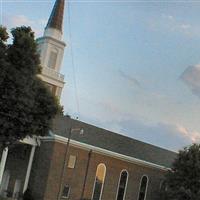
(163,186)
(99,182)
(163,189)
(122,185)
(143,188)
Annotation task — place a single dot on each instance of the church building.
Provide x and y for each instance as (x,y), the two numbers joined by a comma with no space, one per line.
(78,161)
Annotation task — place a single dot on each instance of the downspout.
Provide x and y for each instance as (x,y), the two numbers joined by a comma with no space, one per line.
(86,174)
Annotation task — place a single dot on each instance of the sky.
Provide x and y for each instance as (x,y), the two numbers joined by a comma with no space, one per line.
(132,67)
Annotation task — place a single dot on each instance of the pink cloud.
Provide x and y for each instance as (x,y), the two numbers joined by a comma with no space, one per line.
(193,136)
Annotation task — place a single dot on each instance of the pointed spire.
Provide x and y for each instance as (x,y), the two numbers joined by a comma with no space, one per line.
(57,14)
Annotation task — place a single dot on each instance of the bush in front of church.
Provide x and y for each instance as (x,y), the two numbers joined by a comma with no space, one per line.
(28,195)
(183,180)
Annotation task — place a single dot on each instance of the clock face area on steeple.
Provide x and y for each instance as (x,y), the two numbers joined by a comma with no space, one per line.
(53,58)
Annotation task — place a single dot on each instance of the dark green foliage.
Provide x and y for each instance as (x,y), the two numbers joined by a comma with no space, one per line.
(26,105)
(3,34)
(28,195)
(183,182)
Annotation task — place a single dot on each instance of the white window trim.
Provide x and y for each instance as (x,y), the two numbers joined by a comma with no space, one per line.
(146,187)
(125,185)
(63,197)
(55,50)
(74,165)
(102,182)
(161,182)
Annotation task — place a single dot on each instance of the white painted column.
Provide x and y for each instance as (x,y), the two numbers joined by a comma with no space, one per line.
(3,163)
(29,168)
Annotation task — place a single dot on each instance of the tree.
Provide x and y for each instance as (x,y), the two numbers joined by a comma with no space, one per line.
(183,180)
(28,195)
(26,105)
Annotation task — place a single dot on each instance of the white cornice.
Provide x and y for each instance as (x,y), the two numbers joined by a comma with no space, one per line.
(34,141)
(47,38)
(104,152)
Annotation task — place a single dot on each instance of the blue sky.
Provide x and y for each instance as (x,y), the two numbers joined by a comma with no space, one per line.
(137,64)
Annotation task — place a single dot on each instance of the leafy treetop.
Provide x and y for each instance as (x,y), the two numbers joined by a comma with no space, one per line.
(183,181)
(26,105)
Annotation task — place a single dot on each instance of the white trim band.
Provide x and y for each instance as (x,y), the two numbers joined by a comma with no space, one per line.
(105,152)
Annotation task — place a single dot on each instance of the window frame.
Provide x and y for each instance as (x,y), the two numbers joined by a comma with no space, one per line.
(161,185)
(56,52)
(146,186)
(123,170)
(68,162)
(102,182)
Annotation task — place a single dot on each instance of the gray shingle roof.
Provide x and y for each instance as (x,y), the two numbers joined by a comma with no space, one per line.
(113,142)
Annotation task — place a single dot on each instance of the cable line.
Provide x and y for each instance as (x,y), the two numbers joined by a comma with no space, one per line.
(73,63)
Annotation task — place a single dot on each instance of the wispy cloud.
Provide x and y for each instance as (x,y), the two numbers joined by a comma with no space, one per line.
(115,116)
(19,20)
(43,22)
(193,136)
(166,135)
(171,136)
(191,77)
(110,116)
(129,78)
(169,23)
(12,21)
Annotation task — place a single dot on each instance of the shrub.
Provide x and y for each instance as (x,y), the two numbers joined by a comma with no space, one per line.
(28,195)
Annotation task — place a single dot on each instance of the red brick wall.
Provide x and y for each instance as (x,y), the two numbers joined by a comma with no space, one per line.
(75,177)
(47,169)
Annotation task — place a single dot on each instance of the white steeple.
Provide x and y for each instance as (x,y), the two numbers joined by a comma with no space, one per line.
(51,49)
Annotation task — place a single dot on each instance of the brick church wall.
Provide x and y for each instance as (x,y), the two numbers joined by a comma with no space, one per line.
(48,168)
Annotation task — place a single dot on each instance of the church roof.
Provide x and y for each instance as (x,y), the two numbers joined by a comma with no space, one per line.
(114,142)
(57,14)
